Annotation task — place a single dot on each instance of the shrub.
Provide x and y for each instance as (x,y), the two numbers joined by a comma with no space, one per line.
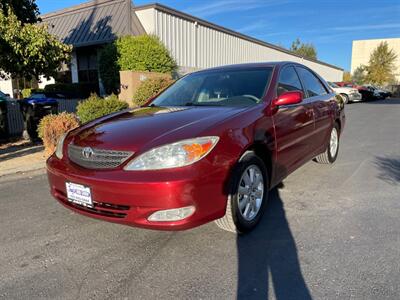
(26,93)
(95,107)
(150,88)
(144,53)
(52,127)
(108,68)
(72,90)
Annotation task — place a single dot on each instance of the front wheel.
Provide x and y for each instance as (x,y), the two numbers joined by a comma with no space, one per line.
(249,193)
(332,149)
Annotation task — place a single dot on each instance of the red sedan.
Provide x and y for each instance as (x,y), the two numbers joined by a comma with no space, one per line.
(210,147)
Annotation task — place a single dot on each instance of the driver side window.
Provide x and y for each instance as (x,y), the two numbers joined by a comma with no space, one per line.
(288,81)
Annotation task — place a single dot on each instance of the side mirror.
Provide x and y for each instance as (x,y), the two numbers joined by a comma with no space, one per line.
(289,98)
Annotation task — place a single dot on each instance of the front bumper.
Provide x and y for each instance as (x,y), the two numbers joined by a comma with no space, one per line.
(130,197)
(355,96)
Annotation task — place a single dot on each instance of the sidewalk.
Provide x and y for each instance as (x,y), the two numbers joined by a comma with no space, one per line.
(21,159)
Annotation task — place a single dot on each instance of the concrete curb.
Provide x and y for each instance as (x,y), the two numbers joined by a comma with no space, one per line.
(22,161)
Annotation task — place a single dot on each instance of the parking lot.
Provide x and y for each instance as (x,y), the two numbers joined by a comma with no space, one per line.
(331,232)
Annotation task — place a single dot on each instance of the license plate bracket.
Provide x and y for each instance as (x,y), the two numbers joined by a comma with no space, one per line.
(79,194)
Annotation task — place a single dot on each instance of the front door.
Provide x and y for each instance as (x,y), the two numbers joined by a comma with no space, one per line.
(294,126)
(319,96)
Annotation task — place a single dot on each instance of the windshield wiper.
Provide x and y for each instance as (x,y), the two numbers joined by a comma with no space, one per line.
(198,104)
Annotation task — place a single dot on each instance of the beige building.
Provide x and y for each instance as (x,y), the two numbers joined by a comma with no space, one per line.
(362,50)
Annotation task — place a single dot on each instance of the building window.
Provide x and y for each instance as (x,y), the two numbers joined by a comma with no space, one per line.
(87,65)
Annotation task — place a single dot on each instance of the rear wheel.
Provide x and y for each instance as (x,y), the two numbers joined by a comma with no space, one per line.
(332,149)
(248,195)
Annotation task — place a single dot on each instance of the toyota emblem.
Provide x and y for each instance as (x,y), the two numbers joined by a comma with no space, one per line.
(87,152)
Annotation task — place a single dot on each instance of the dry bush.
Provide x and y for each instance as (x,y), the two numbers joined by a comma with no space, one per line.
(52,127)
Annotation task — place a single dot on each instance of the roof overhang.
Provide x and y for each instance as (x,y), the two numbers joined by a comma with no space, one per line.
(93,23)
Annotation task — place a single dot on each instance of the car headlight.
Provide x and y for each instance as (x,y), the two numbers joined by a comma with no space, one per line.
(179,154)
(60,145)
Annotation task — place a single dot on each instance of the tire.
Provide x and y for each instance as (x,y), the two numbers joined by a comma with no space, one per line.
(346,98)
(330,154)
(250,198)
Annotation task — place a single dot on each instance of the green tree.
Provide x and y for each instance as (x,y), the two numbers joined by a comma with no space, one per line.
(149,88)
(347,76)
(381,65)
(359,75)
(29,50)
(144,53)
(304,49)
(26,10)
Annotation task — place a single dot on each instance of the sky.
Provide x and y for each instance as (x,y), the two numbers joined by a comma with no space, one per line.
(330,25)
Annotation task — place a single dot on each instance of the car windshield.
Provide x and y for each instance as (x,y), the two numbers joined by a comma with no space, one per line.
(242,87)
(333,85)
(2,94)
(37,96)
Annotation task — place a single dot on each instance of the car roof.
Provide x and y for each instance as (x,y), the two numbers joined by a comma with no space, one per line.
(251,65)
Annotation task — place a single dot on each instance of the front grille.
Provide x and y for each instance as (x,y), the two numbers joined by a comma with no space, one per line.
(95,210)
(99,208)
(97,158)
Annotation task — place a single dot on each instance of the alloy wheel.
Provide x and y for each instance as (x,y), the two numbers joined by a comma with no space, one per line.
(250,192)
(334,142)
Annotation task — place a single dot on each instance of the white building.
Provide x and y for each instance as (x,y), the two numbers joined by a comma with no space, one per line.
(193,42)
(198,44)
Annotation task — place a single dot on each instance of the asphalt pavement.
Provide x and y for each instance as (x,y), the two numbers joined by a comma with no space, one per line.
(331,232)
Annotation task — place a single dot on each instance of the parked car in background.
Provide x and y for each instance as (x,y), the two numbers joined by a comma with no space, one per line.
(33,109)
(365,92)
(349,94)
(4,96)
(388,93)
(3,114)
(209,147)
(378,92)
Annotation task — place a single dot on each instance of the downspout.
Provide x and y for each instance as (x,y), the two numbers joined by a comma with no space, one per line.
(196,52)
(129,18)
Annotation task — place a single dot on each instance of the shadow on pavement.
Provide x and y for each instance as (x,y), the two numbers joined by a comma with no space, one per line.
(269,254)
(19,151)
(386,101)
(389,168)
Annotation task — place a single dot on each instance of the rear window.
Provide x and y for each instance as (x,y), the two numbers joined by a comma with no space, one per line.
(37,96)
(242,87)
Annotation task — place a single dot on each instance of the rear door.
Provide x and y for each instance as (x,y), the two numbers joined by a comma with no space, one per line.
(319,97)
(294,126)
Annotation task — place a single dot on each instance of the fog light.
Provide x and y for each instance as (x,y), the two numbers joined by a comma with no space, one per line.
(174,214)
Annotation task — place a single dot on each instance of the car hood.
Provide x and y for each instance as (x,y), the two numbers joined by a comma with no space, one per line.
(345,90)
(149,126)
(41,101)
